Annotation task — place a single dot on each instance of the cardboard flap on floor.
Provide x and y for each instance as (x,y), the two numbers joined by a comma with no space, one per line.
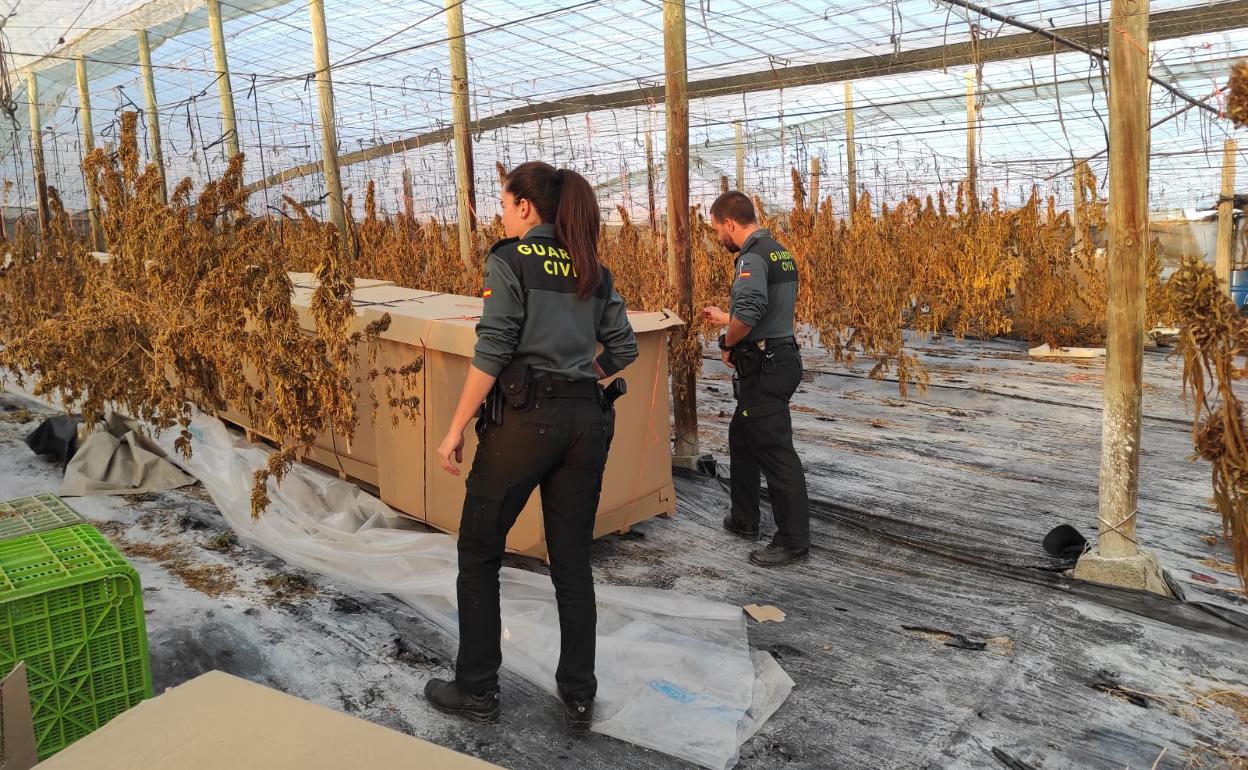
(18,740)
(765,613)
(218,721)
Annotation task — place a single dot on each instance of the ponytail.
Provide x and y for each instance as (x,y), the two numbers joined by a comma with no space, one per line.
(566,199)
(577,223)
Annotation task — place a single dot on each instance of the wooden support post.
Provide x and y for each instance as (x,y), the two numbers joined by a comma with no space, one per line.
(1226,232)
(36,151)
(814,190)
(654,215)
(723,183)
(329,129)
(1081,200)
(1128,246)
(409,198)
(465,196)
(88,144)
(228,124)
(851,150)
(972,171)
(740,157)
(155,153)
(680,269)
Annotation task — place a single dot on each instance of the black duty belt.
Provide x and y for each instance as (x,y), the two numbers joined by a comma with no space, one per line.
(770,343)
(548,387)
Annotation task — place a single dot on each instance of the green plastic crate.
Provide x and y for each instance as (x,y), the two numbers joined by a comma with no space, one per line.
(72,608)
(40,513)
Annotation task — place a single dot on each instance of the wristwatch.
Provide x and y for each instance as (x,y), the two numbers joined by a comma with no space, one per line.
(723,342)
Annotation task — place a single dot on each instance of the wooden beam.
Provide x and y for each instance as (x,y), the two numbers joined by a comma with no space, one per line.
(740,157)
(851,151)
(465,196)
(153,117)
(972,181)
(1217,17)
(1128,246)
(1081,200)
(36,151)
(409,197)
(329,128)
(229,125)
(815,172)
(654,214)
(88,144)
(1226,232)
(679,262)
(723,183)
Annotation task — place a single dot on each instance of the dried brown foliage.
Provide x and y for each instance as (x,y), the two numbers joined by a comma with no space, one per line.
(1237,96)
(194,307)
(1214,344)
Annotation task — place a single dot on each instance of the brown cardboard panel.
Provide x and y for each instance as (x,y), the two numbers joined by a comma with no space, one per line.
(401,446)
(217,721)
(640,461)
(444,493)
(19,749)
(661,502)
(358,458)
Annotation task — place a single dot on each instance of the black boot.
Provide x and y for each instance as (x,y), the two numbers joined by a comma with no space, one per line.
(579,714)
(732,526)
(445,696)
(778,556)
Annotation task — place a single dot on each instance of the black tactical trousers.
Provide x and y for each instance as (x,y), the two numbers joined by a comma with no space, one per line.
(760,438)
(559,445)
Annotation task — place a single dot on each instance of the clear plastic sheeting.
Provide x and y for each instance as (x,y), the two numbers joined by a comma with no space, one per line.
(675,672)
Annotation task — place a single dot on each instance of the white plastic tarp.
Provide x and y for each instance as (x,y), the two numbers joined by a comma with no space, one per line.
(675,672)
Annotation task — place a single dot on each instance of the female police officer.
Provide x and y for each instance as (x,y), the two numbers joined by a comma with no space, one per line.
(545,424)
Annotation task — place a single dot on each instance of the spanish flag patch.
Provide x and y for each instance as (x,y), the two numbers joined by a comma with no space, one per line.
(744,274)
(486,294)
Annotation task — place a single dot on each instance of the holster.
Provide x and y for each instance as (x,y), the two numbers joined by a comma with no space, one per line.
(516,386)
(747,360)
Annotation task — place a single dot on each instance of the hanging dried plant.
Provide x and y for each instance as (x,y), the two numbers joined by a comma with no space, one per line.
(194,307)
(1237,97)
(1213,341)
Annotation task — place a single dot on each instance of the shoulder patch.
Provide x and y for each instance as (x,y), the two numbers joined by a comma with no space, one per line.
(503,243)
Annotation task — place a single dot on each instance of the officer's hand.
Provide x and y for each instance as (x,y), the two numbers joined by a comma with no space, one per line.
(715,315)
(726,357)
(453,444)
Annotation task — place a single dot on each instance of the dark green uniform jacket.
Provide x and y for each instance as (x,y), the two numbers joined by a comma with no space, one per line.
(533,316)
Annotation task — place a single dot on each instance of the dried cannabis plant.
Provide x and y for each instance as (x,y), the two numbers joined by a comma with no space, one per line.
(1213,341)
(1237,98)
(193,307)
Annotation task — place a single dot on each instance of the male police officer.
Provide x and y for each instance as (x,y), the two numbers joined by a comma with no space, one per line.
(759,344)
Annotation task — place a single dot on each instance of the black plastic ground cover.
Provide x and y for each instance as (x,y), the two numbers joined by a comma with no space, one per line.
(910,652)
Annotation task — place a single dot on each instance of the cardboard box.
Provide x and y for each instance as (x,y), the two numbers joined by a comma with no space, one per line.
(396,453)
(441,328)
(219,722)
